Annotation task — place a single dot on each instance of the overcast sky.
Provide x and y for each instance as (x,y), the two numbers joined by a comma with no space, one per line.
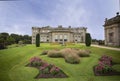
(19,16)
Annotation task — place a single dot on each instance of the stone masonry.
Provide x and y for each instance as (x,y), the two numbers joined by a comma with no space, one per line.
(59,34)
(112,31)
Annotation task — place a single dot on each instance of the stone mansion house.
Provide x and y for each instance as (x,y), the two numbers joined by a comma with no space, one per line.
(59,34)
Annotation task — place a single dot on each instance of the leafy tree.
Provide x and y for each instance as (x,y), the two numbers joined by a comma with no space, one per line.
(16,37)
(6,39)
(10,40)
(4,35)
(38,40)
(88,39)
(3,40)
(27,39)
(2,45)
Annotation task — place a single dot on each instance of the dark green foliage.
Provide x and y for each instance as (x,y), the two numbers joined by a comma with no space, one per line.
(2,44)
(6,39)
(26,39)
(3,40)
(38,40)
(88,39)
(10,40)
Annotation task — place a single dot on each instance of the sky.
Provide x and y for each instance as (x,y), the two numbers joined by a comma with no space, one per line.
(19,16)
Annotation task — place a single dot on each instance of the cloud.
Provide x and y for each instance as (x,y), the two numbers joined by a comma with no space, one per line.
(20,16)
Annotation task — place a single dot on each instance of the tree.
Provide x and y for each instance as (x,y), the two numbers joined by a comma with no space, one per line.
(88,39)
(3,40)
(38,40)
(6,39)
(10,40)
(2,45)
(16,37)
(27,39)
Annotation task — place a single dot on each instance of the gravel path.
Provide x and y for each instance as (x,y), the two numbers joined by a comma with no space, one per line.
(117,49)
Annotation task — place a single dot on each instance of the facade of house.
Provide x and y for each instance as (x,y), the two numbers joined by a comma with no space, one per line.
(59,34)
(112,31)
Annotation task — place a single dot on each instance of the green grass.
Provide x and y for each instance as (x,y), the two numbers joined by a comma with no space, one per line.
(13,61)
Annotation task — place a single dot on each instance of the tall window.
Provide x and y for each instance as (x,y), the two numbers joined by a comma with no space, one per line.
(111,35)
(56,36)
(60,36)
(65,36)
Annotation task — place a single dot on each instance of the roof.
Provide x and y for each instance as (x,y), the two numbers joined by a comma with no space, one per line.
(111,21)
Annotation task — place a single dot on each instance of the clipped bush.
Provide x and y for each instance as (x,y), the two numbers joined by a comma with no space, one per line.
(70,56)
(35,62)
(83,53)
(54,53)
(88,39)
(38,40)
(44,52)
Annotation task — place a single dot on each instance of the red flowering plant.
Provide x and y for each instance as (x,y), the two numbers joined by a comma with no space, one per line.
(35,62)
(49,69)
(46,70)
(104,65)
(55,70)
(106,58)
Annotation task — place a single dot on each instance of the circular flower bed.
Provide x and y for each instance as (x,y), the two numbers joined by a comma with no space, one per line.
(46,70)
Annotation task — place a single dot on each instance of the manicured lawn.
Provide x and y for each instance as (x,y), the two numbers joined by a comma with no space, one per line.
(13,61)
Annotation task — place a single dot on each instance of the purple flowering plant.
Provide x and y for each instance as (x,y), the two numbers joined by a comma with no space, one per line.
(35,61)
(104,65)
(44,67)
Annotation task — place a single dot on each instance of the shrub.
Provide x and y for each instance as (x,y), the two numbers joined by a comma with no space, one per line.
(70,56)
(67,51)
(20,42)
(46,70)
(49,69)
(54,70)
(88,39)
(35,61)
(38,40)
(44,52)
(104,65)
(54,53)
(83,53)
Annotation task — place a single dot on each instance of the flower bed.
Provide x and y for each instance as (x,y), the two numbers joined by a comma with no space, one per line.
(104,67)
(46,70)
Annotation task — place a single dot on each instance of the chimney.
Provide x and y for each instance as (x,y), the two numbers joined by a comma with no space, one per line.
(117,13)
